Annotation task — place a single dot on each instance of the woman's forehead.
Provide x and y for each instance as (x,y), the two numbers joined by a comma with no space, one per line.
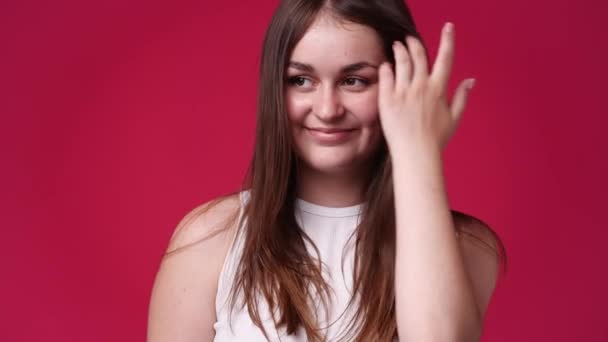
(328,42)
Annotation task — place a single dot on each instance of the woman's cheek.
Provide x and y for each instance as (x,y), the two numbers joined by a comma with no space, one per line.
(296,107)
(366,108)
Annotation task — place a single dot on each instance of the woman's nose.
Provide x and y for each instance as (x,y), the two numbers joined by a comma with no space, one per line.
(328,104)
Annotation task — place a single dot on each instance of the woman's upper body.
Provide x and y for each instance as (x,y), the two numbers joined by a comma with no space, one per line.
(189,300)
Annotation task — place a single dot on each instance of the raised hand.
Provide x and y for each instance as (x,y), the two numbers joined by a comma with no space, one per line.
(413,104)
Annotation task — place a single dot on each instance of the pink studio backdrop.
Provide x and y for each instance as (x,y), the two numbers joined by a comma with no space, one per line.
(118,117)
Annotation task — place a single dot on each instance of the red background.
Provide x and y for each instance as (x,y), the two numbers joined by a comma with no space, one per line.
(118,117)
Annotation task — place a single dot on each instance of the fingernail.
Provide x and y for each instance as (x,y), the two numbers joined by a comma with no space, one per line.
(449,27)
(471,84)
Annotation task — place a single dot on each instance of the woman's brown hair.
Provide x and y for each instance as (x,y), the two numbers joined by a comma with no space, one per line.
(275,264)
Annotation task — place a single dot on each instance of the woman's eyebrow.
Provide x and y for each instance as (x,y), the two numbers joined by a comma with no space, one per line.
(345,69)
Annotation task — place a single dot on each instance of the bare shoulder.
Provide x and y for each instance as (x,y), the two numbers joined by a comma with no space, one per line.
(182,303)
(483,253)
(212,222)
(477,232)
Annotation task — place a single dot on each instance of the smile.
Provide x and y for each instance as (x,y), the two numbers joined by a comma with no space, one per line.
(330,136)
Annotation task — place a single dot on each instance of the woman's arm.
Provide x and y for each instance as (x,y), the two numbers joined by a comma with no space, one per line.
(182,304)
(442,284)
(442,289)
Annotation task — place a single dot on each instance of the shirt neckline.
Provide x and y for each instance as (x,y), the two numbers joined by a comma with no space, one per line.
(321,210)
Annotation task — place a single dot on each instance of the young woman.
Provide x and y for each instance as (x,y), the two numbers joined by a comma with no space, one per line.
(342,230)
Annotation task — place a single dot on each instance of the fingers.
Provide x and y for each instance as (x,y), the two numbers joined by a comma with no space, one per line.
(403,67)
(386,83)
(418,56)
(409,65)
(445,57)
(460,98)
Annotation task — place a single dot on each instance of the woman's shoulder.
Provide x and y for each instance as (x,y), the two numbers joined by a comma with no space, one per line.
(182,302)
(471,227)
(212,222)
(483,255)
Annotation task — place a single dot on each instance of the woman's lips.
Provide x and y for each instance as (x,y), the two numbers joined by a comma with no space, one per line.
(331,136)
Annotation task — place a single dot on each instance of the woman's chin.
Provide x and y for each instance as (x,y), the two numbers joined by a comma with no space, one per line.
(329,164)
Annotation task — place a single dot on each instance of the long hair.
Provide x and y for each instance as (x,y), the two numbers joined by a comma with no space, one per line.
(275,264)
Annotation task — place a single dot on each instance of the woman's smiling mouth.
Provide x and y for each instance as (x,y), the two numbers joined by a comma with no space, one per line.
(330,135)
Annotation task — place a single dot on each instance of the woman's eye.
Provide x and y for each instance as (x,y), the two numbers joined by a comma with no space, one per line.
(296,80)
(351,81)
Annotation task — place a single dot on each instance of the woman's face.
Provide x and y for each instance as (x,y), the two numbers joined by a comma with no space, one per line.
(332,84)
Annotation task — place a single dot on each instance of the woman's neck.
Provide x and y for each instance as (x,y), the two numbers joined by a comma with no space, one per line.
(331,189)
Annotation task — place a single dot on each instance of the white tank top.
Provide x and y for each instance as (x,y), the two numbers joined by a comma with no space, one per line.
(330,229)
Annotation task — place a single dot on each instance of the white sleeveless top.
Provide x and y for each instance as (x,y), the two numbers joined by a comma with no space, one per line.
(330,229)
